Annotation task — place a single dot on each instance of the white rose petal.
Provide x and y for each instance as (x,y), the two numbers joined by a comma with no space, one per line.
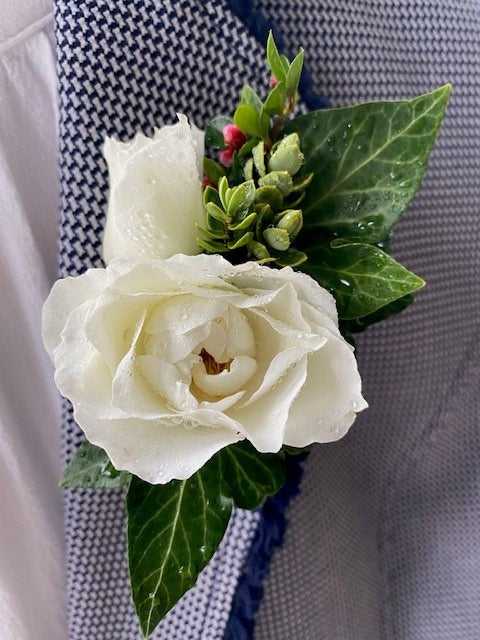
(168,361)
(155,193)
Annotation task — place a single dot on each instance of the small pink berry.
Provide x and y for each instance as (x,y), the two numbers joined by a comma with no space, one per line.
(233,137)
(273,82)
(226,157)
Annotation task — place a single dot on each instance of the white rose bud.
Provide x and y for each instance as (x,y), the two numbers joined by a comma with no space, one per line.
(155,194)
(168,361)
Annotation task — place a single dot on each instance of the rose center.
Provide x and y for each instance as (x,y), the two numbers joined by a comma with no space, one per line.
(212,367)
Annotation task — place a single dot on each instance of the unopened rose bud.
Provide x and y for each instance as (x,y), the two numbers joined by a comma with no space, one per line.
(233,137)
(226,157)
(273,82)
(292,221)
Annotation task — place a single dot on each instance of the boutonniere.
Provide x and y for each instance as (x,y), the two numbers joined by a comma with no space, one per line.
(218,339)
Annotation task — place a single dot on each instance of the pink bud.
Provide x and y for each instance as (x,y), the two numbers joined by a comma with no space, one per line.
(233,137)
(273,82)
(226,157)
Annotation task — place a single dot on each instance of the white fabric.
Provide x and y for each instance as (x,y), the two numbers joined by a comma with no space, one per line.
(32,591)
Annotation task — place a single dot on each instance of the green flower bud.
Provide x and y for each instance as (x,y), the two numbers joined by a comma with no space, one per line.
(292,221)
(277,238)
(288,158)
(292,138)
(280,179)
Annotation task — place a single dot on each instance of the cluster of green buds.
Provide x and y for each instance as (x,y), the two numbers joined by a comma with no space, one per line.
(261,215)
(252,198)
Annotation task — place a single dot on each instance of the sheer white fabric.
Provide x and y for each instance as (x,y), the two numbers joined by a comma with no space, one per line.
(32,600)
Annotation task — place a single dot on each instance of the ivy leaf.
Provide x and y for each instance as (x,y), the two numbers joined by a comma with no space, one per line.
(91,469)
(250,476)
(249,96)
(173,531)
(362,277)
(214,132)
(360,324)
(274,59)
(368,162)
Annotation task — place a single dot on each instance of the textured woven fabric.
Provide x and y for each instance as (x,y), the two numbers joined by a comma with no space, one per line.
(126,66)
(383,540)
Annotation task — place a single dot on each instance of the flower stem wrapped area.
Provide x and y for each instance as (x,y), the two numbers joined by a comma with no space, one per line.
(175,359)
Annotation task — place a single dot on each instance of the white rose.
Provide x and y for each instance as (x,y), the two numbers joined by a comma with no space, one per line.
(168,361)
(155,193)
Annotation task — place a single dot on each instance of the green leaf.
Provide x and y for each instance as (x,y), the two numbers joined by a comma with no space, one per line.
(250,476)
(172,532)
(258,156)
(214,132)
(246,149)
(294,73)
(360,324)
(248,96)
(241,241)
(248,121)
(210,246)
(275,101)
(240,200)
(91,469)
(274,59)
(289,258)
(363,278)
(213,170)
(368,162)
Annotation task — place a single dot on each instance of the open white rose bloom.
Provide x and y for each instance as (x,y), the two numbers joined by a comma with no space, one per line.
(168,361)
(169,358)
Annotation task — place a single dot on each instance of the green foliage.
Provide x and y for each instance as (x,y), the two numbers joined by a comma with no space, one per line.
(214,131)
(91,468)
(213,170)
(250,97)
(362,277)
(250,476)
(172,532)
(174,529)
(368,161)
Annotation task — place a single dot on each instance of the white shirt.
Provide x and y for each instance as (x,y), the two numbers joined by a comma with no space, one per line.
(32,591)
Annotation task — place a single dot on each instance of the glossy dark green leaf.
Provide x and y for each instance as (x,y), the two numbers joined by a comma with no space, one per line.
(360,324)
(172,532)
(214,131)
(250,476)
(249,96)
(368,162)
(362,277)
(91,469)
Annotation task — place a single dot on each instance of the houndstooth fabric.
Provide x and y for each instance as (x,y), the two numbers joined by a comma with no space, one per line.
(383,540)
(126,66)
